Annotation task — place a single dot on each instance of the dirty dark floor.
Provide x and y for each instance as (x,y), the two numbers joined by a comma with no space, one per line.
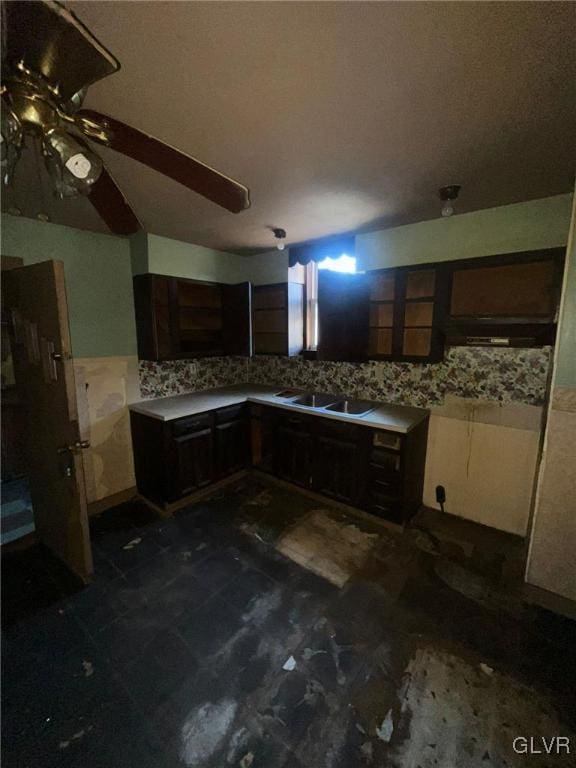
(260,629)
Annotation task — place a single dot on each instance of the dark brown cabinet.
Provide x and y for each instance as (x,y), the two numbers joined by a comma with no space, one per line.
(178,318)
(339,461)
(278,319)
(376,470)
(406,312)
(379,471)
(232,446)
(175,458)
(293,449)
(395,477)
(505,290)
(263,423)
(508,300)
(191,465)
(343,316)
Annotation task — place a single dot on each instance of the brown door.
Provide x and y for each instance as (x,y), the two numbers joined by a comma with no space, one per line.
(36,299)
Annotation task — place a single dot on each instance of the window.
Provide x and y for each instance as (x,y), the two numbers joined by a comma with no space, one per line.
(343,263)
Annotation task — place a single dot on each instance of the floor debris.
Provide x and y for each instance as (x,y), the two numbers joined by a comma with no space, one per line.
(289,664)
(247,760)
(384,732)
(88,668)
(133,543)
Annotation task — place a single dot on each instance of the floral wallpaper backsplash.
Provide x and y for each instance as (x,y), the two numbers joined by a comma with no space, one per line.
(173,377)
(502,375)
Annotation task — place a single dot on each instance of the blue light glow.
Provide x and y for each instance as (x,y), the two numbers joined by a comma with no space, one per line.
(343,264)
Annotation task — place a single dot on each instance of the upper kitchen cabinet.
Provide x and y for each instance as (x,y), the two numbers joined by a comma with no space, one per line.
(406,311)
(382,303)
(343,316)
(421,312)
(178,318)
(511,299)
(278,319)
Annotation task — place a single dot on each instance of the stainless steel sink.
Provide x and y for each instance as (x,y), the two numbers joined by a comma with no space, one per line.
(353,407)
(315,401)
(288,393)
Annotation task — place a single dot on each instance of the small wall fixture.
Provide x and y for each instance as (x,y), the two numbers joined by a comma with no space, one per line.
(449,195)
(280,235)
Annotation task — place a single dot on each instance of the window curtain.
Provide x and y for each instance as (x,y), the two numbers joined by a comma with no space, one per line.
(329,248)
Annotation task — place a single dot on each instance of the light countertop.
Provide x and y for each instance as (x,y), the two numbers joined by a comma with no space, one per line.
(394,418)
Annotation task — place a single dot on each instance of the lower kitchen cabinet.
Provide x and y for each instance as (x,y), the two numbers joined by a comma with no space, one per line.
(192,464)
(379,471)
(339,461)
(292,449)
(175,458)
(232,442)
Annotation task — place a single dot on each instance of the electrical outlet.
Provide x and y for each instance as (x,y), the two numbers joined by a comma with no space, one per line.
(440,494)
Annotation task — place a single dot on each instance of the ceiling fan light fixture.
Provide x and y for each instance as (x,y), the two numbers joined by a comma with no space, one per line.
(280,235)
(11,139)
(73,167)
(449,195)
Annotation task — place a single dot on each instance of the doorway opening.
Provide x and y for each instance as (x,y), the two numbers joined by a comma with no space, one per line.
(16,511)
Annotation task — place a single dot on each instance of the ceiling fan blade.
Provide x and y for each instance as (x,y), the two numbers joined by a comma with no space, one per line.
(50,40)
(171,162)
(112,206)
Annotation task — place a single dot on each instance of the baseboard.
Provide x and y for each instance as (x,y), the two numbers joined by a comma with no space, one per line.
(101,505)
(359,513)
(549,601)
(168,509)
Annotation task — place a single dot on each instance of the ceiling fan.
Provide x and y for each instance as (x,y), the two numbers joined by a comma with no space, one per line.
(49,58)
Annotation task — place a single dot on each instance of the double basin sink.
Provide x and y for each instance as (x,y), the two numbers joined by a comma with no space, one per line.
(328,402)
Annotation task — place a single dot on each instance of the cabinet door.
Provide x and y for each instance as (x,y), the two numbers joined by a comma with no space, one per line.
(262,433)
(505,291)
(270,319)
(336,464)
(236,319)
(343,316)
(154,316)
(231,446)
(292,452)
(194,466)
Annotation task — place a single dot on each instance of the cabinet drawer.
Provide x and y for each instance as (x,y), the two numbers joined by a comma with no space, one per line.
(191,423)
(337,429)
(231,413)
(384,461)
(386,440)
(385,507)
(294,422)
(388,486)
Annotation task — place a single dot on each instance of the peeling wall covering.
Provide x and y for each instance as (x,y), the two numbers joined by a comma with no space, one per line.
(501,375)
(105,386)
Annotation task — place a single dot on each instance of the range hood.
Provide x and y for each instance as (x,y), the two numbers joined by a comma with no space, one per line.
(478,332)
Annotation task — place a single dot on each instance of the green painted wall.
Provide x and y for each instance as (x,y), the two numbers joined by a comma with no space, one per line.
(173,257)
(98,281)
(520,227)
(139,253)
(267,268)
(565,373)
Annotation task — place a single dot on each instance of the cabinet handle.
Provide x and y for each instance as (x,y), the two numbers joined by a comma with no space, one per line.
(79,445)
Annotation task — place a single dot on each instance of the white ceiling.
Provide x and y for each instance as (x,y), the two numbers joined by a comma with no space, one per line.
(338,116)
